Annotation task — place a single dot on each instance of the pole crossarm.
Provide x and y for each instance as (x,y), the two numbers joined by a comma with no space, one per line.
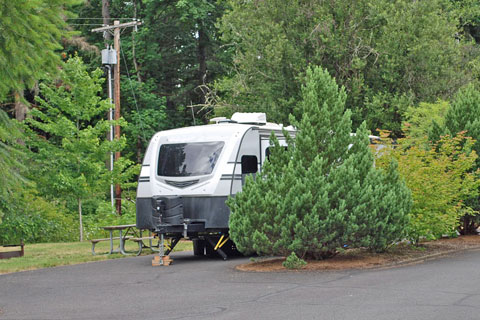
(121,25)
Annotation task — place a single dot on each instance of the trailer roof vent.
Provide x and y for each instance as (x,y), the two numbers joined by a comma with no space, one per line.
(222,120)
(250,117)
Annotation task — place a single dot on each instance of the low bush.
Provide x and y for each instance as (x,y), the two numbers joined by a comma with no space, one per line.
(294,262)
(34,219)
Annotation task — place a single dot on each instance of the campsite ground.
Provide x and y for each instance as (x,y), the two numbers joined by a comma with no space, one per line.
(39,256)
(46,255)
(362,259)
(202,288)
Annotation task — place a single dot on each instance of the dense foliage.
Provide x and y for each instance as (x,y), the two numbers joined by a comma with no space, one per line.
(32,218)
(165,65)
(30,34)
(464,116)
(70,164)
(425,120)
(322,193)
(441,179)
(193,59)
(10,164)
(387,54)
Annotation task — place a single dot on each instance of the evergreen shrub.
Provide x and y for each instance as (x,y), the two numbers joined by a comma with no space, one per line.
(294,262)
(323,192)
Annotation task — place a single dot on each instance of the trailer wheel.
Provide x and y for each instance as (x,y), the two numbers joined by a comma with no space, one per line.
(231,249)
(198,247)
(209,252)
(228,248)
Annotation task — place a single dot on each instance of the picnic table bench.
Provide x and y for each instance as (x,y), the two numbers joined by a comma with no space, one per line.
(95,241)
(142,245)
(12,254)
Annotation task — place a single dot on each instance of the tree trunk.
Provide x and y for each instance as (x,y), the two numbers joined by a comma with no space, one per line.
(139,149)
(80,218)
(202,60)
(21,109)
(106,17)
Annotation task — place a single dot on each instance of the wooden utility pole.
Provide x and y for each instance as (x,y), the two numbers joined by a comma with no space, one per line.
(117,26)
(116,99)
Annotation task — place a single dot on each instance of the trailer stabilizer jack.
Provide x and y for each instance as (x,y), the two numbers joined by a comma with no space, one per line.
(162,259)
(220,243)
(171,246)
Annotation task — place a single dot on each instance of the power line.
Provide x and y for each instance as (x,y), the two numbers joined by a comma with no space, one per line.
(134,98)
(86,24)
(101,19)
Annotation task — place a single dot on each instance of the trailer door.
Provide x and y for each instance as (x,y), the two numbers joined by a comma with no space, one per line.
(247,160)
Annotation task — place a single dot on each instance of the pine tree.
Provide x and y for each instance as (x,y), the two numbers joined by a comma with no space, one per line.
(11,155)
(30,34)
(464,115)
(323,192)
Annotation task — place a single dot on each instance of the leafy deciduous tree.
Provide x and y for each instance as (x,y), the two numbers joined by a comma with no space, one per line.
(441,180)
(425,120)
(464,115)
(71,157)
(388,55)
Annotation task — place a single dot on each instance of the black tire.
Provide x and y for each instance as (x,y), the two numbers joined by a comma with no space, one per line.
(198,247)
(209,252)
(229,248)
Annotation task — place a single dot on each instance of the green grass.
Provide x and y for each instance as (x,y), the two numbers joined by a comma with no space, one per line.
(46,255)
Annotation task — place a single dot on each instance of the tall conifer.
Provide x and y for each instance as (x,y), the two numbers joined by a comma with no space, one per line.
(323,192)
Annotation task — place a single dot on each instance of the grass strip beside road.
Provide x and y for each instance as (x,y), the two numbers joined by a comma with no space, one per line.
(46,255)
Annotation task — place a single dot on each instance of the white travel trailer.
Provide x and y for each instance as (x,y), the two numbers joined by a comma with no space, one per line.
(188,174)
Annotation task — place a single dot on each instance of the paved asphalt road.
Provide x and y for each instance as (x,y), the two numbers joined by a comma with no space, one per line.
(193,288)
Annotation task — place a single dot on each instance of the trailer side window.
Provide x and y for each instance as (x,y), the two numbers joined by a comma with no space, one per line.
(249,164)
